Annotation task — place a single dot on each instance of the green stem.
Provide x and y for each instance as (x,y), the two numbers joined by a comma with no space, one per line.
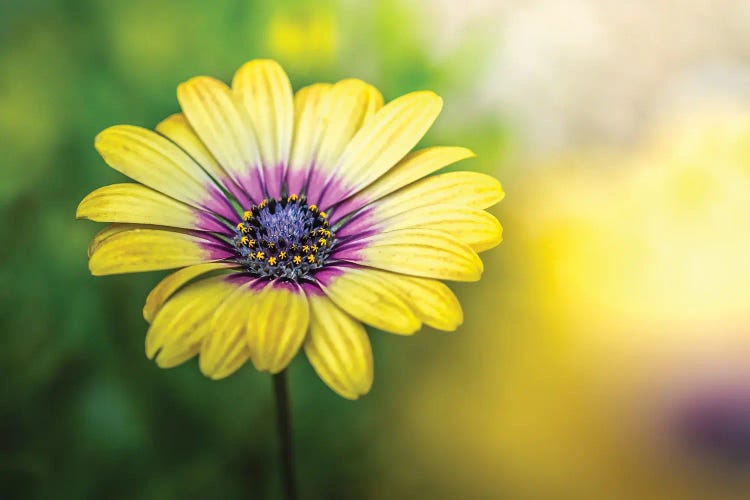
(284,427)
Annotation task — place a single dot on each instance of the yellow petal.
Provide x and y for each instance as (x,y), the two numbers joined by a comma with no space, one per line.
(469,189)
(173,282)
(308,129)
(150,159)
(350,102)
(227,355)
(224,351)
(422,252)
(225,128)
(134,203)
(140,250)
(108,231)
(279,320)
(347,106)
(179,328)
(477,228)
(177,129)
(264,89)
(411,168)
(432,301)
(363,294)
(338,349)
(383,141)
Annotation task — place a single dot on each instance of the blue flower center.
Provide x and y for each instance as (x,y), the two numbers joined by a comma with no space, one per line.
(283,238)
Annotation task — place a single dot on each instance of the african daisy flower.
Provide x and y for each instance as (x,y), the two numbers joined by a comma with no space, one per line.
(295,220)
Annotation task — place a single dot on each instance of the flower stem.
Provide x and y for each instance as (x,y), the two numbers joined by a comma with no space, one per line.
(284,426)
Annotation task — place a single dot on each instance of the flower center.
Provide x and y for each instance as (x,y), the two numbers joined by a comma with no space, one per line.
(284,238)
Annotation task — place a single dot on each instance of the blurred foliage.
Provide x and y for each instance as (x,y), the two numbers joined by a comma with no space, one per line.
(83,413)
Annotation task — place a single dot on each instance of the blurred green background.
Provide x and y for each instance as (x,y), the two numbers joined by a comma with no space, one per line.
(604,354)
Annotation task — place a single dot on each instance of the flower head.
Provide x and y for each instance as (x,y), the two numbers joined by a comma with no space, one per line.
(295,219)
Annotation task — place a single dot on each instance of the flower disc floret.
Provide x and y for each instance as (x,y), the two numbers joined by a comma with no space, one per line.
(283,238)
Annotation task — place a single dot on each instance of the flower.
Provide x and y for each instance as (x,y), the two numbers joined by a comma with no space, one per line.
(296,219)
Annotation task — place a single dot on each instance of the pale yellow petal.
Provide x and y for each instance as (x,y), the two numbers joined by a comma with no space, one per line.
(432,301)
(383,141)
(350,102)
(108,231)
(279,320)
(346,108)
(134,203)
(225,128)
(411,168)
(229,356)
(264,89)
(152,160)
(468,189)
(477,228)
(308,130)
(179,328)
(177,129)
(140,250)
(226,348)
(421,252)
(173,282)
(364,295)
(338,349)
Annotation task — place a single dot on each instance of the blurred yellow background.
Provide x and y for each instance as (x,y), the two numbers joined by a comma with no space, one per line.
(604,354)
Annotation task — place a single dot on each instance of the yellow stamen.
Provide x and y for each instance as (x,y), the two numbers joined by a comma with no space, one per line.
(292,197)
(282,255)
(313,208)
(323,214)
(297,259)
(272,261)
(242,228)
(322,242)
(306,248)
(311,259)
(247,215)
(245,240)
(314,248)
(260,255)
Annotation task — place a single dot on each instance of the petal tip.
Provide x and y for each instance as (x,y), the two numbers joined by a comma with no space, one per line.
(413,326)
(468,153)
(148,313)
(498,189)
(93,266)
(81,209)
(351,396)
(102,137)
(431,97)
(174,118)
(196,81)
(152,348)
